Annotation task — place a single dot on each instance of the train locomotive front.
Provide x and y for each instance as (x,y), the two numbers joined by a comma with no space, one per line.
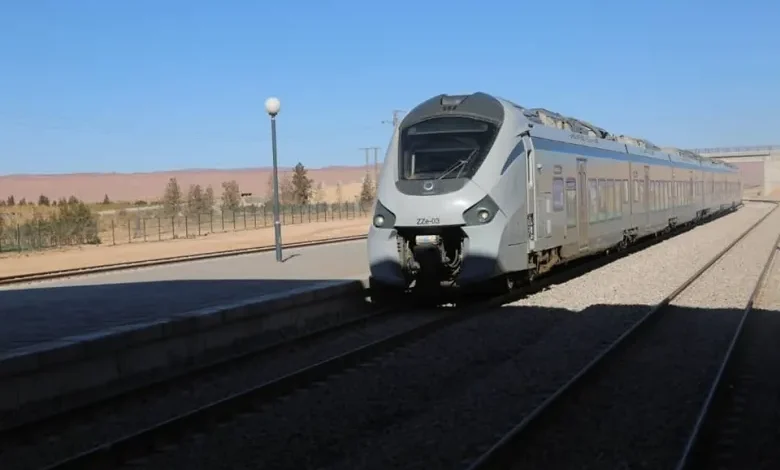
(439,220)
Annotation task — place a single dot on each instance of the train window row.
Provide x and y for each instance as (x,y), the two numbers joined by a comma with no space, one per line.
(607,196)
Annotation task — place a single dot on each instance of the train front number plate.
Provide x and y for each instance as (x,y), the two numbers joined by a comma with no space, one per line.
(427,221)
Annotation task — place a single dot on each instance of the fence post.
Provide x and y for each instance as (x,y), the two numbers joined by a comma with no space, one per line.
(254,214)
(222,214)
(143,221)
(129,236)
(244,211)
(234,219)
(113,233)
(173,227)
(265,214)
(19,237)
(211,220)
(186,227)
(159,228)
(198,223)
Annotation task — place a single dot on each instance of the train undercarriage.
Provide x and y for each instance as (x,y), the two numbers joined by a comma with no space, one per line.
(431,261)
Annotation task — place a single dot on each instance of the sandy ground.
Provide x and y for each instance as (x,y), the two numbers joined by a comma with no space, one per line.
(85,256)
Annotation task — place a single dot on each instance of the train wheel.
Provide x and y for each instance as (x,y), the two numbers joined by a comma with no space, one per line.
(500,285)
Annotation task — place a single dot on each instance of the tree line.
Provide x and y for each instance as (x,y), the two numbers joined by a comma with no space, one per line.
(296,188)
(74,221)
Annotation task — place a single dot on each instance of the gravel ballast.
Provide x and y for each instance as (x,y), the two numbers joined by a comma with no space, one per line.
(745,428)
(440,402)
(639,409)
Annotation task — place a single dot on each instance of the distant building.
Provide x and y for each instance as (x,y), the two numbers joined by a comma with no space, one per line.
(247,199)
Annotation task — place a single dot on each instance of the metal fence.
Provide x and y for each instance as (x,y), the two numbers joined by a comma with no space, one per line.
(137,227)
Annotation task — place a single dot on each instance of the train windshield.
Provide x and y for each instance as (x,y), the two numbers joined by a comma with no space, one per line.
(444,148)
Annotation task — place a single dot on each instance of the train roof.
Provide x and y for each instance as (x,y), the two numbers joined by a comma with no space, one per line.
(556,120)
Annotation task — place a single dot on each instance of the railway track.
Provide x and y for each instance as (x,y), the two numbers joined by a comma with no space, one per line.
(575,418)
(737,426)
(159,436)
(65,273)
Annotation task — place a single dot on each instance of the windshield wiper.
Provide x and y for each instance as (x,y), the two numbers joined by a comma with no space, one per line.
(460,164)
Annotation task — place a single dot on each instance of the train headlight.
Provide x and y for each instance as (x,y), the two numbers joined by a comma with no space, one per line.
(383,218)
(482,212)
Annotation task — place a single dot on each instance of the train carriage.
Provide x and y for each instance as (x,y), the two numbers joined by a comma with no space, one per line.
(478,191)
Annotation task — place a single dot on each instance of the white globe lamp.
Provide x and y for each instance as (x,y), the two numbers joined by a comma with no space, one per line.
(272,106)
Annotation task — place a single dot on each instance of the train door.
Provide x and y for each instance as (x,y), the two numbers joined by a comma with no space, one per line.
(646,196)
(582,203)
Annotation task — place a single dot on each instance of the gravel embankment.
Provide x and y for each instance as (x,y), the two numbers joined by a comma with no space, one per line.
(746,434)
(120,417)
(639,410)
(441,401)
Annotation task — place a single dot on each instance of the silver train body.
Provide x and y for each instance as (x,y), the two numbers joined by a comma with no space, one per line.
(475,188)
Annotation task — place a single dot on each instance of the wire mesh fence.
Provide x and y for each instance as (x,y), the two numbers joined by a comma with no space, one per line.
(138,227)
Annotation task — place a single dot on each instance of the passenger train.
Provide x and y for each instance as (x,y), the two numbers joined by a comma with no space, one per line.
(476,190)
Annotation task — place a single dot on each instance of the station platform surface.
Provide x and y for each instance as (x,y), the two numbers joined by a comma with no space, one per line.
(49,310)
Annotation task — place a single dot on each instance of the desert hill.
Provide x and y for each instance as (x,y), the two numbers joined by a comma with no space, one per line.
(92,187)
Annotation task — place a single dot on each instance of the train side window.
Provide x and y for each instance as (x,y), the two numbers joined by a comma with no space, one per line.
(558,194)
(626,194)
(609,194)
(655,196)
(642,195)
(667,196)
(663,195)
(602,200)
(636,190)
(618,200)
(652,196)
(614,189)
(593,193)
(677,193)
(571,202)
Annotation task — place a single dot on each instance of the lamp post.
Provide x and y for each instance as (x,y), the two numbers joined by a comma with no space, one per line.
(272,107)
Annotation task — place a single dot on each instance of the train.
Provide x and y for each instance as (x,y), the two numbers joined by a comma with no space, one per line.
(478,192)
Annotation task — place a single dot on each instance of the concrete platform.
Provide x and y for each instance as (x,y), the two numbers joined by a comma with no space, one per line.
(40,312)
(49,377)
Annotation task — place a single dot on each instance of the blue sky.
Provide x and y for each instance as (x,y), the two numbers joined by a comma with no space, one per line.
(146,85)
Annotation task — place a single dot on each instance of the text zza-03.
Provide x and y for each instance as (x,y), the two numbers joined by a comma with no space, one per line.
(427,221)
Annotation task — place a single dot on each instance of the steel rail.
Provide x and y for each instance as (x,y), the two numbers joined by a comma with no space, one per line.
(28,428)
(499,454)
(138,444)
(693,447)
